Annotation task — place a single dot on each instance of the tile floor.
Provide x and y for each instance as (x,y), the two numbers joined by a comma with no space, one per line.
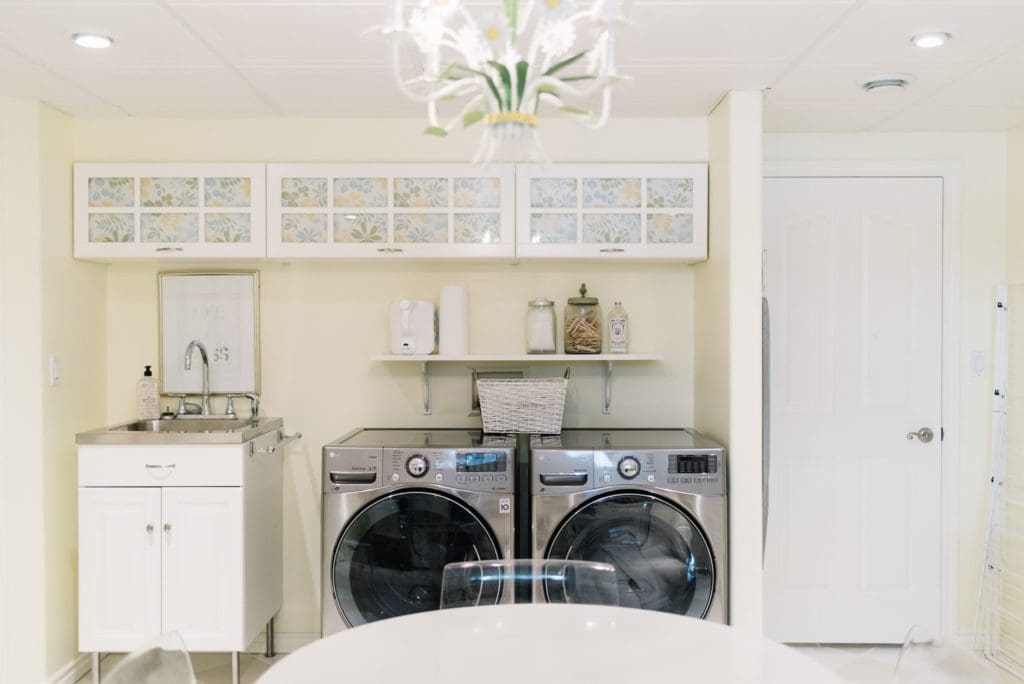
(860,664)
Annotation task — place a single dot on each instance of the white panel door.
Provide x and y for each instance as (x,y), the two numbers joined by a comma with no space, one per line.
(202,566)
(118,567)
(854,282)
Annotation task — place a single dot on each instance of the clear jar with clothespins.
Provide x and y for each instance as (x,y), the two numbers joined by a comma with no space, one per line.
(583,324)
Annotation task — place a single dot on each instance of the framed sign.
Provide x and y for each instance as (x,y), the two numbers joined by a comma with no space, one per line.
(219,310)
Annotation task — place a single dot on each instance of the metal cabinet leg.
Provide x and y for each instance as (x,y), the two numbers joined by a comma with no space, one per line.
(234,668)
(270,652)
(96,668)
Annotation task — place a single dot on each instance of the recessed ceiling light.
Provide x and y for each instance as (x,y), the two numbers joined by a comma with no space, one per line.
(886,83)
(931,39)
(92,40)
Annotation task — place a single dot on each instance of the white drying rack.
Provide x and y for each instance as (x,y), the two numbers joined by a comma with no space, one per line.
(999,620)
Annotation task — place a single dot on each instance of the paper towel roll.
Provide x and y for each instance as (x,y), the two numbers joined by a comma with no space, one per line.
(454,322)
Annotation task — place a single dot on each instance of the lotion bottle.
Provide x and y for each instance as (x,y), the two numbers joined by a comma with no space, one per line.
(147,396)
(618,330)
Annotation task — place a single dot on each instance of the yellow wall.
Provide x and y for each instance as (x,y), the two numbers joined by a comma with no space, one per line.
(1015,207)
(983,161)
(321,321)
(52,304)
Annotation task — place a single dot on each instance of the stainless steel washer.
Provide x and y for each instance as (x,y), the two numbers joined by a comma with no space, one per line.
(652,503)
(399,505)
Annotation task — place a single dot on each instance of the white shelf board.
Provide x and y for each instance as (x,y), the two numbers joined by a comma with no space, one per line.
(516,358)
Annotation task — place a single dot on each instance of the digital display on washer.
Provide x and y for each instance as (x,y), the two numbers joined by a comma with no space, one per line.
(690,464)
(481,462)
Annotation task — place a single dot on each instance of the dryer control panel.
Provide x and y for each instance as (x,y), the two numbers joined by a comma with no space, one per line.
(562,471)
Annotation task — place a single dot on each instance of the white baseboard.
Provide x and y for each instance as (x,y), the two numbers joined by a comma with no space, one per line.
(284,642)
(72,671)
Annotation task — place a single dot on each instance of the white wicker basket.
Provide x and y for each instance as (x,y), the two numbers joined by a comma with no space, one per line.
(533,405)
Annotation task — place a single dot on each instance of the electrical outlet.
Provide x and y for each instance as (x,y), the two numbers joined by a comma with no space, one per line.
(54,370)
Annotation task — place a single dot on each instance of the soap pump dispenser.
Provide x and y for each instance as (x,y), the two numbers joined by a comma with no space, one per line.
(147,396)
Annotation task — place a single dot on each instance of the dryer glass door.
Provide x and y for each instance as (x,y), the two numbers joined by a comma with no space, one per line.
(390,558)
(661,557)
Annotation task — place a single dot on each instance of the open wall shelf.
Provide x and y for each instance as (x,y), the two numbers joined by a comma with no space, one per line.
(469,359)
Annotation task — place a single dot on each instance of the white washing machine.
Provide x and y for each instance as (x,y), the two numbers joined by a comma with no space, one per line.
(652,503)
(399,505)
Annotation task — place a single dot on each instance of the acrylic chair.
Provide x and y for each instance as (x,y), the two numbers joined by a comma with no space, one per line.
(926,659)
(482,583)
(161,661)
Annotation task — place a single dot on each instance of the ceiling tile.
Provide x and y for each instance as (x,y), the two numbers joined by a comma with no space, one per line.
(279,34)
(21,78)
(878,33)
(144,35)
(177,92)
(745,32)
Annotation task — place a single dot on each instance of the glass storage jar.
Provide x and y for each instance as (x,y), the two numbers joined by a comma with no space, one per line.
(540,327)
(583,324)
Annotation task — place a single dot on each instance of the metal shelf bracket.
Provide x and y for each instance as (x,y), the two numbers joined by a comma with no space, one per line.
(426,388)
(607,388)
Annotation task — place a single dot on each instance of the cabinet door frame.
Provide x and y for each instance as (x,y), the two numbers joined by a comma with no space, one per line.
(218,575)
(643,250)
(389,248)
(137,248)
(138,557)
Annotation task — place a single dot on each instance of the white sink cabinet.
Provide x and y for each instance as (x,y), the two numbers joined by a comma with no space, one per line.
(179,538)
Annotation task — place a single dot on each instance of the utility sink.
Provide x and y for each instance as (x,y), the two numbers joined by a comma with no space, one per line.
(182,430)
(188,425)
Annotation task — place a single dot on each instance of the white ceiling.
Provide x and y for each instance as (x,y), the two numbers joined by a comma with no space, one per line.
(312,58)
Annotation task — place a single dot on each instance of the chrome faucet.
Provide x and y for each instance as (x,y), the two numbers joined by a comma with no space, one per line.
(196,344)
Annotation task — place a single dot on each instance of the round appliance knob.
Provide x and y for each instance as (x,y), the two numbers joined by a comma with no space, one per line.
(629,467)
(417,466)
(607,478)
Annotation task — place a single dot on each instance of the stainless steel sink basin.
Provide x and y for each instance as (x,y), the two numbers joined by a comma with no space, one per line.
(189,430)
(187,425)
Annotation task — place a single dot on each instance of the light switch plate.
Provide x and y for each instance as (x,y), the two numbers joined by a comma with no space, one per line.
(54,370)
(979,364)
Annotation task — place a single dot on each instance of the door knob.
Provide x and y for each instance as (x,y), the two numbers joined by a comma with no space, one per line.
(925,435)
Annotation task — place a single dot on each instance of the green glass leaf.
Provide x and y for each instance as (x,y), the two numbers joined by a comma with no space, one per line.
(575,110)
(506,84)
(549,89)
(522,68)
(471,118)
(512,12)
(436,130)
(568,79)
(565,62)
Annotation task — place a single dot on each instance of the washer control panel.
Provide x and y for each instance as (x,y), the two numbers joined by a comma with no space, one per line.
(486,469)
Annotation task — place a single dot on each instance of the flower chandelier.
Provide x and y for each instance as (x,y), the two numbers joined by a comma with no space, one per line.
(500,68)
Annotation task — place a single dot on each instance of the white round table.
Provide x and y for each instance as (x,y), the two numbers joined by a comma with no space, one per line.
(543,643)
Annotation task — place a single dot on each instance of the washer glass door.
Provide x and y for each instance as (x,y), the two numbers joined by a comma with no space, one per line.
(662,559)
(389,559)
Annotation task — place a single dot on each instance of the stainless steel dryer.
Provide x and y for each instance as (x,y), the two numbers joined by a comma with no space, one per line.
(399,505)
(650,502)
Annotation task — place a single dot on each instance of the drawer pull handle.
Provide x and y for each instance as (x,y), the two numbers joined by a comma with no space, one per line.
(170,249)
(157,465)
(149,528)
(613,250)
(390,250)
(564,479)
(167,528)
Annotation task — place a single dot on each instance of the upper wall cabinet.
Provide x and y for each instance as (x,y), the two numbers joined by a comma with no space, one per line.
(190,211)
(612,211)
(418,211)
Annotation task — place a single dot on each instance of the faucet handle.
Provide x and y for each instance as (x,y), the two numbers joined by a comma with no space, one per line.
(254,401)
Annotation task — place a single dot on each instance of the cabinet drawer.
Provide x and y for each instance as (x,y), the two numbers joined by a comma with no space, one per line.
(160,466)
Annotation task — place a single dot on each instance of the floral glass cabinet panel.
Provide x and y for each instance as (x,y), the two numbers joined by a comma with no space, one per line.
(421,211)
(612,211)
(168,211)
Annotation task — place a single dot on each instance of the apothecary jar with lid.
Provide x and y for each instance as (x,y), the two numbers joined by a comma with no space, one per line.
(583,324)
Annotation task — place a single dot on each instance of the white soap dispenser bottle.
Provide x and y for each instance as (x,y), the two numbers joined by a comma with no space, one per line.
(147,396)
